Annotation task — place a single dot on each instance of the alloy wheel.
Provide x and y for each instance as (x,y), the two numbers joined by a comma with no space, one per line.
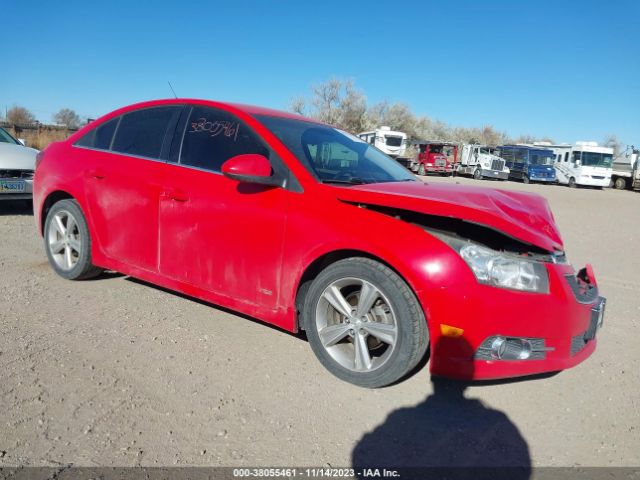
(356,324)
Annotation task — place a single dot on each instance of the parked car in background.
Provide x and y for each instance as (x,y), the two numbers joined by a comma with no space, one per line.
(307,227)
(529,164)
(481,161)
(582,164)
(625,170)
(391,142)
(17,164)
(435,157)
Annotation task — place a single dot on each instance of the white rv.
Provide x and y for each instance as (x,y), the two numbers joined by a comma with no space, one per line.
(482,162)
(584,163)
(391,142)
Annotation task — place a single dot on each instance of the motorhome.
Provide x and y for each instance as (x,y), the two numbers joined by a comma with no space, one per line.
(584,163)
(625,170)
(481,161)
(435,157)
(391,142)
(528,163)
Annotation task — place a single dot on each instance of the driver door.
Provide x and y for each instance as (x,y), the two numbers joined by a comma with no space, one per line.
(216,233)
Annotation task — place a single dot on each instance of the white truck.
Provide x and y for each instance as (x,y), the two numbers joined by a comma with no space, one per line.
(482,162)
(391,142)
(625,172)
(584,163)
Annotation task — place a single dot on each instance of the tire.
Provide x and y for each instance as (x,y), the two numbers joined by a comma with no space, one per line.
(421,170)
(572,183)
(477,174)
(69,253)
(525,179)
(386,355)
(620,183)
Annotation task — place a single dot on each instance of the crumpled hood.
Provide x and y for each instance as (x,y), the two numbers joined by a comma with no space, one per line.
(17,157)
(525,216)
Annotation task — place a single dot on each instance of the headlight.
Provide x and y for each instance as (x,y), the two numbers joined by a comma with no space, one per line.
(500,269)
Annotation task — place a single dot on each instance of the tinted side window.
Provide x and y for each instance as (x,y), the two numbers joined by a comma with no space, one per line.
(142,132)
(212,137)
(100,137)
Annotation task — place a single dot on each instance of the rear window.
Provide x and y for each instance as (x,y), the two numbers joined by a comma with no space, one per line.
(142,132)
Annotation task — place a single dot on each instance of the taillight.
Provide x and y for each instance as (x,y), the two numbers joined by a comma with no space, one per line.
(39,158)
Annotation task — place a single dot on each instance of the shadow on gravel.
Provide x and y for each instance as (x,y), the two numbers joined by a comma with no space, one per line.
(16,207)
(446,436)
(300,335)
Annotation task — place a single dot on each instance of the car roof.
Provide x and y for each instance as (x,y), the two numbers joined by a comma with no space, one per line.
(251,110)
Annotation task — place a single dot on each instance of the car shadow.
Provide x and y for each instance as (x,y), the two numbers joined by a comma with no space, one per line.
(448,435)
(16,207)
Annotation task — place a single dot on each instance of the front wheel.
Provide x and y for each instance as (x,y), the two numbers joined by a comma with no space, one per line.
(525,179)
(67,241)
(477,174)
(620,183)
(364,323)
(572,182)
(421,170)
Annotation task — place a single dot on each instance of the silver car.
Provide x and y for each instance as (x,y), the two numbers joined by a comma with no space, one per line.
(17,165)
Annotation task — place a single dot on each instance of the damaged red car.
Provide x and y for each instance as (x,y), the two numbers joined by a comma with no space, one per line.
(307,227)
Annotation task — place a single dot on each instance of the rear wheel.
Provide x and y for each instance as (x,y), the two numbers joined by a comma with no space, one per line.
(67,241)
(421,170)
(572,182)
(364,323)
(477,174)
(620,183)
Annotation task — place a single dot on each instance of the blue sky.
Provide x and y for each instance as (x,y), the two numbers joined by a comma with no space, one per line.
(566,69)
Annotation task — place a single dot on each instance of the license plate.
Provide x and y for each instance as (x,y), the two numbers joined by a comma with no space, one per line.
(441,163)
(12,186)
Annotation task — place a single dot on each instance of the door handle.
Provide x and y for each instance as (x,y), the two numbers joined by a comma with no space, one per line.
(175,195)
(99,174)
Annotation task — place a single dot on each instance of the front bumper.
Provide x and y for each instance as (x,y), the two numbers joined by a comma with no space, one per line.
(589,181)
(539,178)
(494,174)
(563,319)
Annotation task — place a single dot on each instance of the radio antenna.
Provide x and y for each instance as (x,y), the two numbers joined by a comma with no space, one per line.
(174,92)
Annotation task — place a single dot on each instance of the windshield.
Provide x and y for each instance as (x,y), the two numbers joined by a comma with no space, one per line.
(334,156)
(393,140)
(541,159)
(593,159)
(5,137)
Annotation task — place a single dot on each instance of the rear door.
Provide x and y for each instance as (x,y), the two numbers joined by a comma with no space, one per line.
(215,233)
(122,183)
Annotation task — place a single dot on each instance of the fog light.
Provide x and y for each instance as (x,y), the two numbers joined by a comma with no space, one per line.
(510,348)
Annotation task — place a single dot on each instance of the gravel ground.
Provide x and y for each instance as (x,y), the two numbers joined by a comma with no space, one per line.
(116,372)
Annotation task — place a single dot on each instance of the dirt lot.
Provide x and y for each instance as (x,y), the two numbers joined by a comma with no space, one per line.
(116,372)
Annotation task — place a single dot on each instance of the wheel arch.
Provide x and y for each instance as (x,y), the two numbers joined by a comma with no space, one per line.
(51,199)
(314,268)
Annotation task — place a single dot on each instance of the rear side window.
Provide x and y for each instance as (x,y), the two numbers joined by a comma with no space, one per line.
(142,132)
(100,137)
(211,137)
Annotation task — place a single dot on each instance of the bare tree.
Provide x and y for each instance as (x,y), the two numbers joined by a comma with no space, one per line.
(298,105)
(67,117)
(20,116)
(612,141)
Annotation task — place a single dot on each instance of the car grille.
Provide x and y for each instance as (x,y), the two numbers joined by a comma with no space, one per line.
(577,344)
(497,165)
(26,174)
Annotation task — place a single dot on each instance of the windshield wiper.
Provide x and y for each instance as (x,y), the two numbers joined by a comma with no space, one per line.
(351,181)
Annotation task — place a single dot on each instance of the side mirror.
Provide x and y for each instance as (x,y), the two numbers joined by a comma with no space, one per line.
(251,168)
(23,142)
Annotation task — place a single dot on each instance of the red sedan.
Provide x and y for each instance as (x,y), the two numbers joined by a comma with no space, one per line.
(309,228)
